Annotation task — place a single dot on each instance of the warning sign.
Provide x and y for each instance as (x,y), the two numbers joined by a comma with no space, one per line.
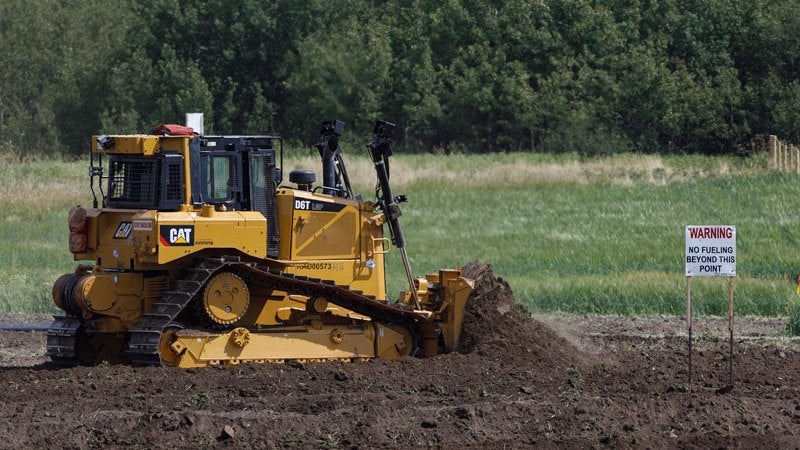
(710,250)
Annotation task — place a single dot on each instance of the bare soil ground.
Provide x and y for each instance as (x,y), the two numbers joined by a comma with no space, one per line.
(519,381)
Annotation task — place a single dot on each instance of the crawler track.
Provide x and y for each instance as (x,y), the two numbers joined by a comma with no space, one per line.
(145,336)
(61,338)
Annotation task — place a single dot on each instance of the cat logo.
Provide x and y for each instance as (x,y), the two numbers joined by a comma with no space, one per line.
(172,236)
(123,231)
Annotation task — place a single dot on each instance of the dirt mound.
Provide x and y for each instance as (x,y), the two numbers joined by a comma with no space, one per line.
(495,323)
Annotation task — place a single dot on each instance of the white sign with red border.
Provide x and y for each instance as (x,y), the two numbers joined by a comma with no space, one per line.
(710,251)
(142,225)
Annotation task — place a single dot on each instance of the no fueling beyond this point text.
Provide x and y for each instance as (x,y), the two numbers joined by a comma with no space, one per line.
(710,251)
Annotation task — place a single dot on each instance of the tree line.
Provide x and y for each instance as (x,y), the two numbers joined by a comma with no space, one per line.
(455,75)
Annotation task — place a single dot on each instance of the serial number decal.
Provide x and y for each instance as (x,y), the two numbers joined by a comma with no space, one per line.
(311,205)
(335,267)
(142,225)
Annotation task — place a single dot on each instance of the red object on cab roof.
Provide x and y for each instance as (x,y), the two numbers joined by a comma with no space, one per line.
(172,130)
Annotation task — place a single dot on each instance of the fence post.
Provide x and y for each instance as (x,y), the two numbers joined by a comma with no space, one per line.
(786,155)
(796,160)
(789,156)
(772,145)
(783,149)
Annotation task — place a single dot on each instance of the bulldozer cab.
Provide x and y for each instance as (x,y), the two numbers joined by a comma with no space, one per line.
(172,173)
(230,171)
(239,173)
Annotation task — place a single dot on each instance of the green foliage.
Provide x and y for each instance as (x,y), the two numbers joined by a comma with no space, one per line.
(341,72)
(199,400)
(53,56)
(546,75)
(147,94)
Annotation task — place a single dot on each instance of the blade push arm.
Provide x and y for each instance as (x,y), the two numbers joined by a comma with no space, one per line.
(380,150)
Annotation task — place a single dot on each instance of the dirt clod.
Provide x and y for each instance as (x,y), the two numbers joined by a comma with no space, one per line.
(228,432)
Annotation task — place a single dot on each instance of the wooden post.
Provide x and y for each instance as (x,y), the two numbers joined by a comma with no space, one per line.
(782,155)
(730,329)
(782,152)
(785,152)
(772,145)
(796,160)
(689,322)
(785,148)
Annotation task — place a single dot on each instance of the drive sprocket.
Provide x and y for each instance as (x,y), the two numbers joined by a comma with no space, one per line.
(225,298)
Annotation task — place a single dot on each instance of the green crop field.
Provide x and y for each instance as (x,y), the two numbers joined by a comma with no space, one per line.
(606,236)
(596,236)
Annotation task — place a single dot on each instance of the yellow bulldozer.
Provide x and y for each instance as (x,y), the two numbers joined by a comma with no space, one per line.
(196,252)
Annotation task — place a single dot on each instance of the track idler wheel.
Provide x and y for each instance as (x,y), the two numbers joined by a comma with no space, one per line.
(408,339)
(225,298)
(168,355)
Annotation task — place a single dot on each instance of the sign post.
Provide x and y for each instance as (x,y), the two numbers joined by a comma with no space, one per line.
(710,252)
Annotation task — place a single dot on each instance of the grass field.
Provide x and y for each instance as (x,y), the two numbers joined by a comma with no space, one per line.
(607,236)
(598,236)
(35,198)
